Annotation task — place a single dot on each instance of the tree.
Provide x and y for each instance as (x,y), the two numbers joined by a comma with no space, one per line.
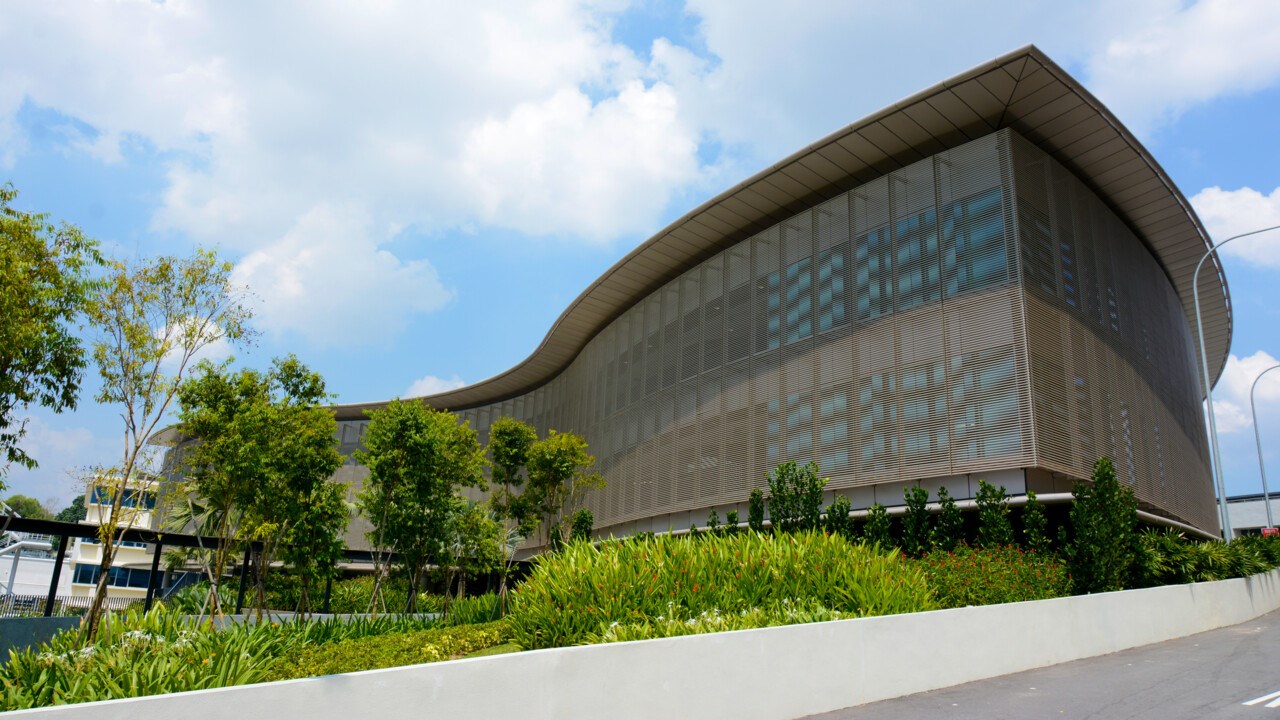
(713,521)
(994,528)
(44,287)
(28,507)
(948,531)
(150,319)
(879,528)
(1035,535)
(475,545)
(838,520)
(795,497)
(261,454)
(561,473)
(418,459)
(915,524)
(755,510)
(583,524)
(731,522)
(509,443)
(1103,521)
(75,512)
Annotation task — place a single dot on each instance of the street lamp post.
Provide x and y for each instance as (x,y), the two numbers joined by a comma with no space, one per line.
(1257,437)
(1216,458)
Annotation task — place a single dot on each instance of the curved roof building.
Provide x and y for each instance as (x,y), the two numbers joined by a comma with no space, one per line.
(990,279)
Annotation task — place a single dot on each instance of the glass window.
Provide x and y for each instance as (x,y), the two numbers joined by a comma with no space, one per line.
(984,405)
(873,274)
(916,243)
(833,287)
(799,300)
(974,254)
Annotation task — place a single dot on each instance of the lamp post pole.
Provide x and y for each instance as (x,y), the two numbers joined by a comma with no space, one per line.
(1257,437)
(1216,458)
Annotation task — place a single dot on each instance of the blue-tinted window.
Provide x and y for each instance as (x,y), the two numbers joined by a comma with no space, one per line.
(974,253)
(916,243)
(833,287)
(873,274)
(768,312)
(799,300)
(984,405)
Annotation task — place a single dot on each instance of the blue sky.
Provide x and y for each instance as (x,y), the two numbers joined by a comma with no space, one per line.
(415,191)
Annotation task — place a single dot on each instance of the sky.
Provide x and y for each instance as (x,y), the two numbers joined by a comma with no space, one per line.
(414,191)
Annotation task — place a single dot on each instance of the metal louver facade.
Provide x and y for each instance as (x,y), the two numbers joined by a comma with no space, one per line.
(976,313)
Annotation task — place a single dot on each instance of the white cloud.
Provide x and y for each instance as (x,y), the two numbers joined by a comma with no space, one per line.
(432,385)
(1231,395)
(64,452)
(330,280)
(1185,54)
(1227,213)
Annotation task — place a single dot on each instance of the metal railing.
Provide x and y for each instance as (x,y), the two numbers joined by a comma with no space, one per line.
(63,605)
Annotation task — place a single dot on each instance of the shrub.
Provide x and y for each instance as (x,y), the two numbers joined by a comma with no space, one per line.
(878,529)
(969,576)
(1035,536)
(994,528)
(1104,542)
(574,597)
(390,650)
(354,595)
(915,524)
(582,525)
(755,510)
(1168,558)
(795,497)
(713,521)
(838,520)
(948,531)
(731,522)
(783,613)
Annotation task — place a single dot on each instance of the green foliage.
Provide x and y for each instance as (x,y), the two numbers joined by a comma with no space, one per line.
(44,287)
(582,525)
(418,458)
(713,521)
(948,531)
(355,595)
(561,473)
(475,610)
(915,524)
(795,497)
(28,507)
(1104,540)
(260,468)
(1002,574)
(474,547)
(755,510)
(838,520)
(1168,558)
(1035,535)
(508,450)
(878,529)
(731,522)
(392,650)
(193,599)
(576,595)
(150,319)
(165,652)
(994,527)
(677,624)
(75,512)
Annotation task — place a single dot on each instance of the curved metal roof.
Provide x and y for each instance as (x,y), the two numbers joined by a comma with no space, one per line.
(1023,90)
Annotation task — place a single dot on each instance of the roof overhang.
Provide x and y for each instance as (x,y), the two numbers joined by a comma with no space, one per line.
(1023,90)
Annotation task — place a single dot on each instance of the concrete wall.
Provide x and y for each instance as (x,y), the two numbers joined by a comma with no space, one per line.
(769,674)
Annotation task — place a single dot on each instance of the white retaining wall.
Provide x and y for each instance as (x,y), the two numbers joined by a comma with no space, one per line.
(769,674)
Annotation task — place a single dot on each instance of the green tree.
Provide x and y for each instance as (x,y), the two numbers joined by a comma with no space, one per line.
(28,507)
(44,287)
(561,473)
(75,512)
(1035,525)
(475,545)
(258,463)
(1104,539)
(508,450)
(713,521)
(878,529)
(582,525)
(755,510)
(838,520)
(150,319)
(418,459)
(915,524)
(994,528)
(948,531)
(795,497)
(731,522)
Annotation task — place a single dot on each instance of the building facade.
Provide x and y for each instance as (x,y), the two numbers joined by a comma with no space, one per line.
(989,280)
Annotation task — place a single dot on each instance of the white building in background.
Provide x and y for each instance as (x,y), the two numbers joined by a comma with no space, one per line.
(1248,513)
(131,568)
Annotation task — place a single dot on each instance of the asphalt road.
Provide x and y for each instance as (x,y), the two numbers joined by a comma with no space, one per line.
(1211,675)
